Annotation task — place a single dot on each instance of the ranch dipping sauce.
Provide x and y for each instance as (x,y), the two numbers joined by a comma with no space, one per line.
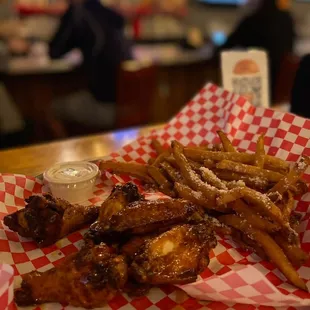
(72,181)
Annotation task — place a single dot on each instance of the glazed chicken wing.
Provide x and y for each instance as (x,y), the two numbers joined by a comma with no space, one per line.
(86,279)
(47,219)
(147,216)
(174,257)
(119,198)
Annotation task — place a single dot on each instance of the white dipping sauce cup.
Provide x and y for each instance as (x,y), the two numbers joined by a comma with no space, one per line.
(72,181)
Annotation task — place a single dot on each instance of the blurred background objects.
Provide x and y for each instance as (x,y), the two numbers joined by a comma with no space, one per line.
(70,70)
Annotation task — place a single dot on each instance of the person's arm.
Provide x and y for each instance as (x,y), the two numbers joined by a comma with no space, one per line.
(63,40)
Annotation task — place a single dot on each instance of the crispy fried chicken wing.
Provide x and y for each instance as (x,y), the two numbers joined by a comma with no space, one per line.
(176,256)
(119,198)
(86,279)
(47,219)
(142,217)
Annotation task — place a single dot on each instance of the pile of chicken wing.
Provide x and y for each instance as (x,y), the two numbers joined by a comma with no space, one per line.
(132,244)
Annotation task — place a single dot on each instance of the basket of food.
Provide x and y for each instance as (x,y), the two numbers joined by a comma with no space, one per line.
(209,212)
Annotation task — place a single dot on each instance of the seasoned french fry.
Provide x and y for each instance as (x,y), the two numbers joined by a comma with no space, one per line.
(253,218)
(195,166)
(229,196)
(263,204)
(151,161)
(293,251)
(163,184)
(190,175)
(271,176)
(198,198)
(292,177)
(160,158)
(133,169)
(271,248)
(252,182)
(271,163)
(227,145)
(171,160)
(288,207)
(157,146)
(173,173)
(209,177)
(208,163)
(260,152)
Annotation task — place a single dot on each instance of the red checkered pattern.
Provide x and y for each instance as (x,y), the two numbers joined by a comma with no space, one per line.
(235,279)
(6,287)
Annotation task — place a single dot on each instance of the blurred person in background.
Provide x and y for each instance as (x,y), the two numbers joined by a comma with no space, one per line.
(300,103)
(99,33)
(269,26)
(13,128)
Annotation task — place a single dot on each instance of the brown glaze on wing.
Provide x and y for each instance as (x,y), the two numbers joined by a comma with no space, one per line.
(86,279)
(174,257)
(47,219)
(143,217)
(119,198)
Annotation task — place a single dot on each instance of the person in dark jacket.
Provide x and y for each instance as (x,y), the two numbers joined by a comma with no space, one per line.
(300,99)
(268,27)
(99,33)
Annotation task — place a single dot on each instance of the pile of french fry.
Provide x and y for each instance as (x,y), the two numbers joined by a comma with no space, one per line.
(253,194)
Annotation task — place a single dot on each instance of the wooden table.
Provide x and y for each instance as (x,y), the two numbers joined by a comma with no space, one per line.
(34,160)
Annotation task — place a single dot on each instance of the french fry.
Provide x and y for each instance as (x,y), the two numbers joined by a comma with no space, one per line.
(293,251)
(260,152)
(151,161)
(227,145)
(288,207)
(209,177)
(253,218)
(190,175)
(160,158)
(271,163)
(247,244)
(131,168)
(173,173)
(229,196)
(208,163)
(292,177)
(271,248)
(271,176)
(263,204)
(164,185)
(252,182)
(198,198)
(157,146)
(195,166)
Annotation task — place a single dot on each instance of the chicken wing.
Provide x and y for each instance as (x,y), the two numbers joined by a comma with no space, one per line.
(119,198)
(86,279)
(174,257)
(148,216)
(47,219)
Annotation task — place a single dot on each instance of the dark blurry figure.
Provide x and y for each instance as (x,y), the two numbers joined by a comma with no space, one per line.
(269,27)
(300,103)
(98,32)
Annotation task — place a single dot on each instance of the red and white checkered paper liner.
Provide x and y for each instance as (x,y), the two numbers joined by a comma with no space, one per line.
(235,279)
